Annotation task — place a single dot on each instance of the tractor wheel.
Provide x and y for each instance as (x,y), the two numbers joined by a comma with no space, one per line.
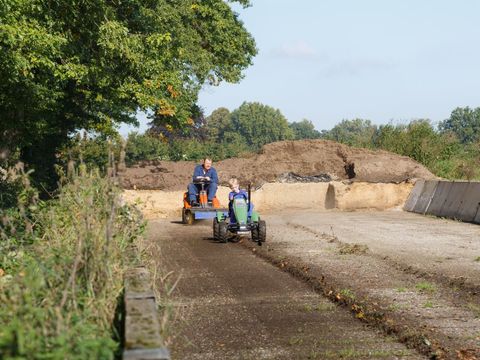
(262,231)
(216,228)
(187,217)
(222,232)
(255,234)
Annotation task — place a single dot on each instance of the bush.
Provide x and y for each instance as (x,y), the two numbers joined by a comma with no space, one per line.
(93,151)
(61,269)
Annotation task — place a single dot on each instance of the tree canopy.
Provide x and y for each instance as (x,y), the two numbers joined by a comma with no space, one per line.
(464,123)
(91,64)
(260,124)
(356,132)
(304,130)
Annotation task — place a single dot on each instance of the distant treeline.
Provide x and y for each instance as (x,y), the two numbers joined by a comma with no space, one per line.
(451,149)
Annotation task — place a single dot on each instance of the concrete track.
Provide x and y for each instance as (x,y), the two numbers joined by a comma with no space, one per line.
(233,305)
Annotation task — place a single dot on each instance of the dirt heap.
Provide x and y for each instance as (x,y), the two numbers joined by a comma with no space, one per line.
(285,161)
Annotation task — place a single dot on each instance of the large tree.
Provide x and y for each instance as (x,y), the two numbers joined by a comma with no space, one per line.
(67,65)
(260,124)
(356,132)
(304,130)
(464,123)
(218,123)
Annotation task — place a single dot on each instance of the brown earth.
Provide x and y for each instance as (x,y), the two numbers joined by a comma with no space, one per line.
(277,162)
(228,304)
(412,277)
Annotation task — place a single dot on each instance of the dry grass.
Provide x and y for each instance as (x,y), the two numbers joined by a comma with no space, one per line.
(63,263)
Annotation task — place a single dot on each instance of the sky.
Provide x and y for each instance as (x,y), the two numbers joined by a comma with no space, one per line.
(382,60)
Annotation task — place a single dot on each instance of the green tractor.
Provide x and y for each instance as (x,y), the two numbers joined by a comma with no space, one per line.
(240,220)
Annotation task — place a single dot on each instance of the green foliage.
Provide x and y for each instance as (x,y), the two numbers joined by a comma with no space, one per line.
(260,124)
(197,150)
(440,152)
(90,65)
(425,287)
(464,123)
(304,130)
(418,140)
(62,270)
(145,147)
(218,123)
(91,150)
(356,132)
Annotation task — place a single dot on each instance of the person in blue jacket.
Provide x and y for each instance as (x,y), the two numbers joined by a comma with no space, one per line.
(203,172)
(236,191)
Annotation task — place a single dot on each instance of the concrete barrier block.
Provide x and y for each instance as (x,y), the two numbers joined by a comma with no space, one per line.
(414,195)
(454,200)
(425,197)
(439,198)
(477,218)
(470,204)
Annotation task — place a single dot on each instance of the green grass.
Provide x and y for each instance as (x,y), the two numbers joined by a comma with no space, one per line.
(347,293)
(428,305)
(64,261)
(425,287)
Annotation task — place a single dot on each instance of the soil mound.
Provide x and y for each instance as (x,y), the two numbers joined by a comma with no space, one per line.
(301,160)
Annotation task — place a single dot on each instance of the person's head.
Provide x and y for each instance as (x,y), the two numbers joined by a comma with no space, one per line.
(233,183)
(207,163)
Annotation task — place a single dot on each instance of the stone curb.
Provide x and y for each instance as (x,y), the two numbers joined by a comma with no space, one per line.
(142,327)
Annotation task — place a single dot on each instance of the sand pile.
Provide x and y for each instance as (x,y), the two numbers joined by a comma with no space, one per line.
(285,161)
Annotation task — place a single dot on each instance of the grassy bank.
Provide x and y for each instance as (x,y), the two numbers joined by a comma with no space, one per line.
(61,270)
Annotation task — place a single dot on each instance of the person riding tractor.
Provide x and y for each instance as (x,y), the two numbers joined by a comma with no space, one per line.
(204,172)
(200,201)
(240,219)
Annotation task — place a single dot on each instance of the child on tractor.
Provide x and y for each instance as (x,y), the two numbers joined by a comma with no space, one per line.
(236,192)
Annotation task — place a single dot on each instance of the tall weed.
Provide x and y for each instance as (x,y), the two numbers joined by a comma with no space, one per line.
(61,269)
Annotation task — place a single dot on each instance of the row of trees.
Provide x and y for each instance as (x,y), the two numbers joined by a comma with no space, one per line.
(224,134)
(254,125)
(451,149)
(250,126)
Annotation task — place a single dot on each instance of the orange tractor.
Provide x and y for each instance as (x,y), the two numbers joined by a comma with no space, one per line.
(201,209)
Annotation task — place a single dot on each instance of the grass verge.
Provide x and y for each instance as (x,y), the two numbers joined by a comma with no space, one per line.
(62,264)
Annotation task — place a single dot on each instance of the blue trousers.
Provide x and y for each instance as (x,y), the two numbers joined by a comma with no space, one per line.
(194,189)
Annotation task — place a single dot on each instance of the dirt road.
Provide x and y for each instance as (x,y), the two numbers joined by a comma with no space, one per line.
(231,304)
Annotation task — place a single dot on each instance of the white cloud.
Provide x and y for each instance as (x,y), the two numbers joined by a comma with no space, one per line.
(298,49)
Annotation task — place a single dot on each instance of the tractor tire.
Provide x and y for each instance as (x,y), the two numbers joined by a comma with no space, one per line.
(222,232)
(216,229)
(187,217)
(262,231)
(255,234)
